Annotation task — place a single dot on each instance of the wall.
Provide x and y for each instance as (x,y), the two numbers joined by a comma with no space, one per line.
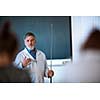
(81,25)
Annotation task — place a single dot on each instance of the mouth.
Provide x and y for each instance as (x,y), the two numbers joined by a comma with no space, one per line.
(30,46)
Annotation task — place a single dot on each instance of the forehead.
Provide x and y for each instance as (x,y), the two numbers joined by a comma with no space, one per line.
(30,38)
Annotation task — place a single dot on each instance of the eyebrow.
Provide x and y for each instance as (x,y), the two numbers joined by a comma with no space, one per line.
(29,39)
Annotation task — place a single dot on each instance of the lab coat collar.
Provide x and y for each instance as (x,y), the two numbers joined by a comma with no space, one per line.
(37,53)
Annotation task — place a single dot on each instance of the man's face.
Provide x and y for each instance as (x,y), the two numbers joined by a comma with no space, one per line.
(30,41)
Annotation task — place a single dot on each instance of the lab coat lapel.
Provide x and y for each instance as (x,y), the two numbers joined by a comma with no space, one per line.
(29,55)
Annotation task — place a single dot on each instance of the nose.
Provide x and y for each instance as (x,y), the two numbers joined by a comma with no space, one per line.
(30,42)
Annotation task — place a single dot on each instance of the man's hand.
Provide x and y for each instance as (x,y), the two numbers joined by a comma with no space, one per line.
(26,61)
(50,73)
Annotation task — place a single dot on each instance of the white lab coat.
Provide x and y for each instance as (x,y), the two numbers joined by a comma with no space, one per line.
(85,70)
(37,68)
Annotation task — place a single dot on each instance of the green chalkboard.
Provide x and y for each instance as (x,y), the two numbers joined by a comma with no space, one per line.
(53,33)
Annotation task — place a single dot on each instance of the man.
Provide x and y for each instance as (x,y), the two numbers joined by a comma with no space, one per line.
(33,59)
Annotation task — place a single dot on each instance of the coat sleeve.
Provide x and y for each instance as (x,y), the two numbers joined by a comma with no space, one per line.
(18,61)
